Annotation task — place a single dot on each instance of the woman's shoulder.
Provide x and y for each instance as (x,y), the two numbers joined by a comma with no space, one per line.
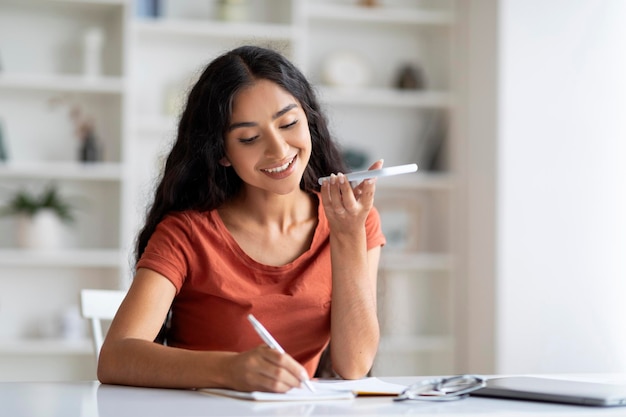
(191,228)
(190,219)
(188,215)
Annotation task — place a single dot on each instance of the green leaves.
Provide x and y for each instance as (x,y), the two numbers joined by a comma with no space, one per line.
(24,202)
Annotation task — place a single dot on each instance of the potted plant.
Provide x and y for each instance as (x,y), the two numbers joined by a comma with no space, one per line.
(40,217)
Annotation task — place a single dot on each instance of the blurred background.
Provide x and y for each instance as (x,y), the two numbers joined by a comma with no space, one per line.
(505,251)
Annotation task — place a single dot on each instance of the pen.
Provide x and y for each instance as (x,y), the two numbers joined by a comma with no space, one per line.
(271,342)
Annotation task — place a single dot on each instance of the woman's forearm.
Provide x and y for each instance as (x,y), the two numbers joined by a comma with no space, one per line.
(354,322)
(144,363)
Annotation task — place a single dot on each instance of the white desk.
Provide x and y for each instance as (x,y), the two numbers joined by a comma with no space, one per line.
(91,399)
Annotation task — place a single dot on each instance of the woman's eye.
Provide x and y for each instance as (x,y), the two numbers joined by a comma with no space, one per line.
(247,140)
(288,125)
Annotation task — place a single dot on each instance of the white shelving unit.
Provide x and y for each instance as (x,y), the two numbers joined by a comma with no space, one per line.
(41,52)
(70,258)
(379,97)
(403,13)
(103,171)
(46,347)
(151,64)
(66,83)
(216,29)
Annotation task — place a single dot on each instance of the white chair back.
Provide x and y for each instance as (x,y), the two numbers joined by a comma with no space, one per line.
(98,305)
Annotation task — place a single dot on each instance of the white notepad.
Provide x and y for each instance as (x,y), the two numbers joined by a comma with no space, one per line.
(363,387)
(325,390)
(295,394)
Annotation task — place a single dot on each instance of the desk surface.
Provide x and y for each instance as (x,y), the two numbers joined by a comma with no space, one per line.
(91,399)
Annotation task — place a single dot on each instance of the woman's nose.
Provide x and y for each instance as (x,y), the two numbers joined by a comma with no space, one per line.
(276,146)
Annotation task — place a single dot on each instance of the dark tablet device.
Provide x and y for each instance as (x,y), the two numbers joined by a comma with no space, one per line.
(554,390)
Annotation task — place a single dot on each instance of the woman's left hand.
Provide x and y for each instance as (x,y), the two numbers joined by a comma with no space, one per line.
(347,208)
(354,325)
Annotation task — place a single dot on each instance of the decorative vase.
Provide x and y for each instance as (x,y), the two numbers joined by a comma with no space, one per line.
(93,43)
(410,77)
(44,230)
(89,151)
(148,8)
(3,152)
(234,10)
(346,69)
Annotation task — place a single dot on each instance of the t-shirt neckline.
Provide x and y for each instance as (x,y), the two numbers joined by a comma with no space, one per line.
(318,234)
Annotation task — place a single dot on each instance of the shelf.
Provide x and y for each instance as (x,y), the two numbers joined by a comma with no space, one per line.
(395,15)
(408,344)
(386,97)
(100,171)
(70,6)
(90,258)
(214,29)
(391,261)
(46,347)
(94,3)
(61,83)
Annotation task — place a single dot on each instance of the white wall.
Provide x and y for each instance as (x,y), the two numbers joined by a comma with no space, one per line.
(476,124)
(561,192)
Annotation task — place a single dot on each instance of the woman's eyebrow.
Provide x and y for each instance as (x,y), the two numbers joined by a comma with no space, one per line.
(284,110)
(240,124)
(274,117)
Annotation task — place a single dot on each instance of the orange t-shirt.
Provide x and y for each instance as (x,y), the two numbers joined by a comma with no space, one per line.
(218,285)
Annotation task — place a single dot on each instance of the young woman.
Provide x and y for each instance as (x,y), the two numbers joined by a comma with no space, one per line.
(239,225)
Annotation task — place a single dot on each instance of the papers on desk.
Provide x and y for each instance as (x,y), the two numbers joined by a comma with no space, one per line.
(295,394)
(362,387)
(325,390)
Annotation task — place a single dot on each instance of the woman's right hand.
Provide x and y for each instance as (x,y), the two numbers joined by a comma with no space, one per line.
(265,369)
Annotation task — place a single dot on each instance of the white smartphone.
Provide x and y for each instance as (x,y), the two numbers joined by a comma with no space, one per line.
(382,172)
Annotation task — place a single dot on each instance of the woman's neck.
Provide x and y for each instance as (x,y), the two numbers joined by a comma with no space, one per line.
(279,212)
(272,230)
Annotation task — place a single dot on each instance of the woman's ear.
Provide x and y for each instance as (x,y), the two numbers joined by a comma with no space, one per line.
(225,162)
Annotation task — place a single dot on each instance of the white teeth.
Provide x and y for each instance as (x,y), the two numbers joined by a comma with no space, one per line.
(278,169)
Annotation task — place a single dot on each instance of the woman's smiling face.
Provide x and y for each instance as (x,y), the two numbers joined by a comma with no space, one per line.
(268,142)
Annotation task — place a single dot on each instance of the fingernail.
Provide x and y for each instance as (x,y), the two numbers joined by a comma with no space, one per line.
(333,179)
(342,178)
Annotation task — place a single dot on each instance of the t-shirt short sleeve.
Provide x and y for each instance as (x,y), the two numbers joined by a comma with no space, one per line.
(373,228)
(168,250)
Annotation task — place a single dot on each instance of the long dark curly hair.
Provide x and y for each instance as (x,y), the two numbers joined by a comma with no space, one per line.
(193,178)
